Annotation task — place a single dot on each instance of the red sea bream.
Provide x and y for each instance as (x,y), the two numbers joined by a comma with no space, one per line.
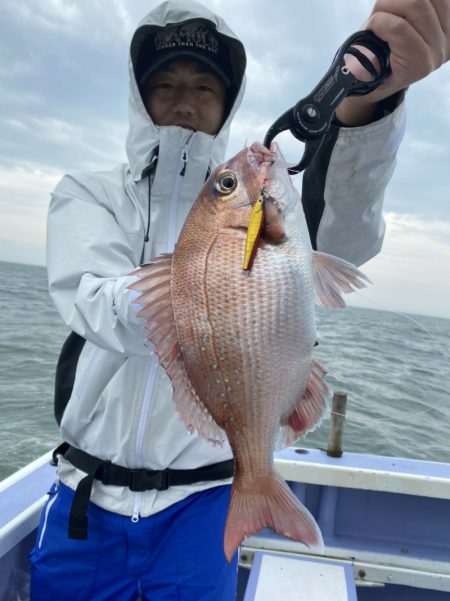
(238,345)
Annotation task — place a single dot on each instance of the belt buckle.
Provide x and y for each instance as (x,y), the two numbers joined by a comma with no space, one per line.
(138,480)
(134,480)
(164,480)
(103,474)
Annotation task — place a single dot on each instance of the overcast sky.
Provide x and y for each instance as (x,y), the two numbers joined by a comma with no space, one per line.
(64,90)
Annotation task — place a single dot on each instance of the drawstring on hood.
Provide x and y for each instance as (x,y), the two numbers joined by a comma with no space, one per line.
(144,136)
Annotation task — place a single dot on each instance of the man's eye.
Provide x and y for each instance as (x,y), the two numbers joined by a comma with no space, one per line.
(163,85)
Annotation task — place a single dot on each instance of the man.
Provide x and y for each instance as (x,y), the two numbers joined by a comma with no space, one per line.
(160,534)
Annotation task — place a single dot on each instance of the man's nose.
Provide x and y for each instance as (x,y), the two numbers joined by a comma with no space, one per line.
(185,101)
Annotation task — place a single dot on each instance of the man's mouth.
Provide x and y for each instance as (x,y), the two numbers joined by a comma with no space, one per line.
(185,125)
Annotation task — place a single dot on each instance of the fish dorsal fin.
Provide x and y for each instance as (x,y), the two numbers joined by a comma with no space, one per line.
(309,412)
(155,299)
(332,277)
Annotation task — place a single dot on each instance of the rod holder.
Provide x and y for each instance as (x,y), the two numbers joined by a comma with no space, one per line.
(338,409)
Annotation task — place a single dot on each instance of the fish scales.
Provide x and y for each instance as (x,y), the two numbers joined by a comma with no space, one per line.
(247,327)
(240,351)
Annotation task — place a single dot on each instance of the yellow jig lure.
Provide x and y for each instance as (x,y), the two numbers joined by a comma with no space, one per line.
(253,231)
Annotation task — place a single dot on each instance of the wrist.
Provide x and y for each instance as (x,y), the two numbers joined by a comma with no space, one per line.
(354,113)
(357,111)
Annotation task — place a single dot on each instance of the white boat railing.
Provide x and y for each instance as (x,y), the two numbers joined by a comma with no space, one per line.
(337,486)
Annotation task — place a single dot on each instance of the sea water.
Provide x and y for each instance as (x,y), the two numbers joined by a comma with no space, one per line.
(395,372)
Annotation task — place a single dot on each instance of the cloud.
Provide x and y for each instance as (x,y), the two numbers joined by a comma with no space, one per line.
(64,78)
(96,20)
(123,16)
(412,272)
(424,148)
(51,15)
(25,189)
(24,197)
(62,144)
(23,252)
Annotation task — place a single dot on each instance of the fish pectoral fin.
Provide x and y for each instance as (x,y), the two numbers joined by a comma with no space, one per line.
(309,412)
(157,311)
(155,298)
(334,276)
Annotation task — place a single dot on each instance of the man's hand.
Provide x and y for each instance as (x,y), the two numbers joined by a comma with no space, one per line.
(418,33)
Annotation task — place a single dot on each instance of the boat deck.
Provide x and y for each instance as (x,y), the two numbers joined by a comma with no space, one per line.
(385,522)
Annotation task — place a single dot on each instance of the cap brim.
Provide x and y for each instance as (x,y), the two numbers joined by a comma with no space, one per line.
(158,63)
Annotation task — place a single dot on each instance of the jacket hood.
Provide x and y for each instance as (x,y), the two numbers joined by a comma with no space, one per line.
(144,136)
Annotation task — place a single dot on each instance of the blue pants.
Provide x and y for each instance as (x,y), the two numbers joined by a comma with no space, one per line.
(174,555)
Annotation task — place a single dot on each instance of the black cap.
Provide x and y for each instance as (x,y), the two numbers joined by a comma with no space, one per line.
(195,39)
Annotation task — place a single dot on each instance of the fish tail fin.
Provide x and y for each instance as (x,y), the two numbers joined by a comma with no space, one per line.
(269,504)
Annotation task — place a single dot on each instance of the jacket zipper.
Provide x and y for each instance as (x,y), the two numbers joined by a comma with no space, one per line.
(147,403)
(145,410)
(172,233)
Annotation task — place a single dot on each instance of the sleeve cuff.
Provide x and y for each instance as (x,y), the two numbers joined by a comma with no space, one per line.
(384,108)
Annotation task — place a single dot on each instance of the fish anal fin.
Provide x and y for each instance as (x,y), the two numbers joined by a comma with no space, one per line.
(268,503)
(333,277)
(159,320)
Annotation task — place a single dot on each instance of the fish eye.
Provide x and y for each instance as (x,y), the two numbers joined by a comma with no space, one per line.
(226,183)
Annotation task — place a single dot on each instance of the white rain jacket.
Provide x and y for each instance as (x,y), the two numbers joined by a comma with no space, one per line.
(120,407)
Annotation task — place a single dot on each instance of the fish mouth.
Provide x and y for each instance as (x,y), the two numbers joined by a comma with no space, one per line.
(277,183)
(261,160)
(263,154)
(268,163)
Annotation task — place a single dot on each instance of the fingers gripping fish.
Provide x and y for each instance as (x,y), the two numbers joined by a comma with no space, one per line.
(239,350)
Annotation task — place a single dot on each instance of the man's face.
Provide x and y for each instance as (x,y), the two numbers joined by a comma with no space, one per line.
(185,93)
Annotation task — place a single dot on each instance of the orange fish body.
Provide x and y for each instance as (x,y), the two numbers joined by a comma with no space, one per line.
(238,347)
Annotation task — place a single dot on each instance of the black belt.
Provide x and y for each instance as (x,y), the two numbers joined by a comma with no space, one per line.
(137,480)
